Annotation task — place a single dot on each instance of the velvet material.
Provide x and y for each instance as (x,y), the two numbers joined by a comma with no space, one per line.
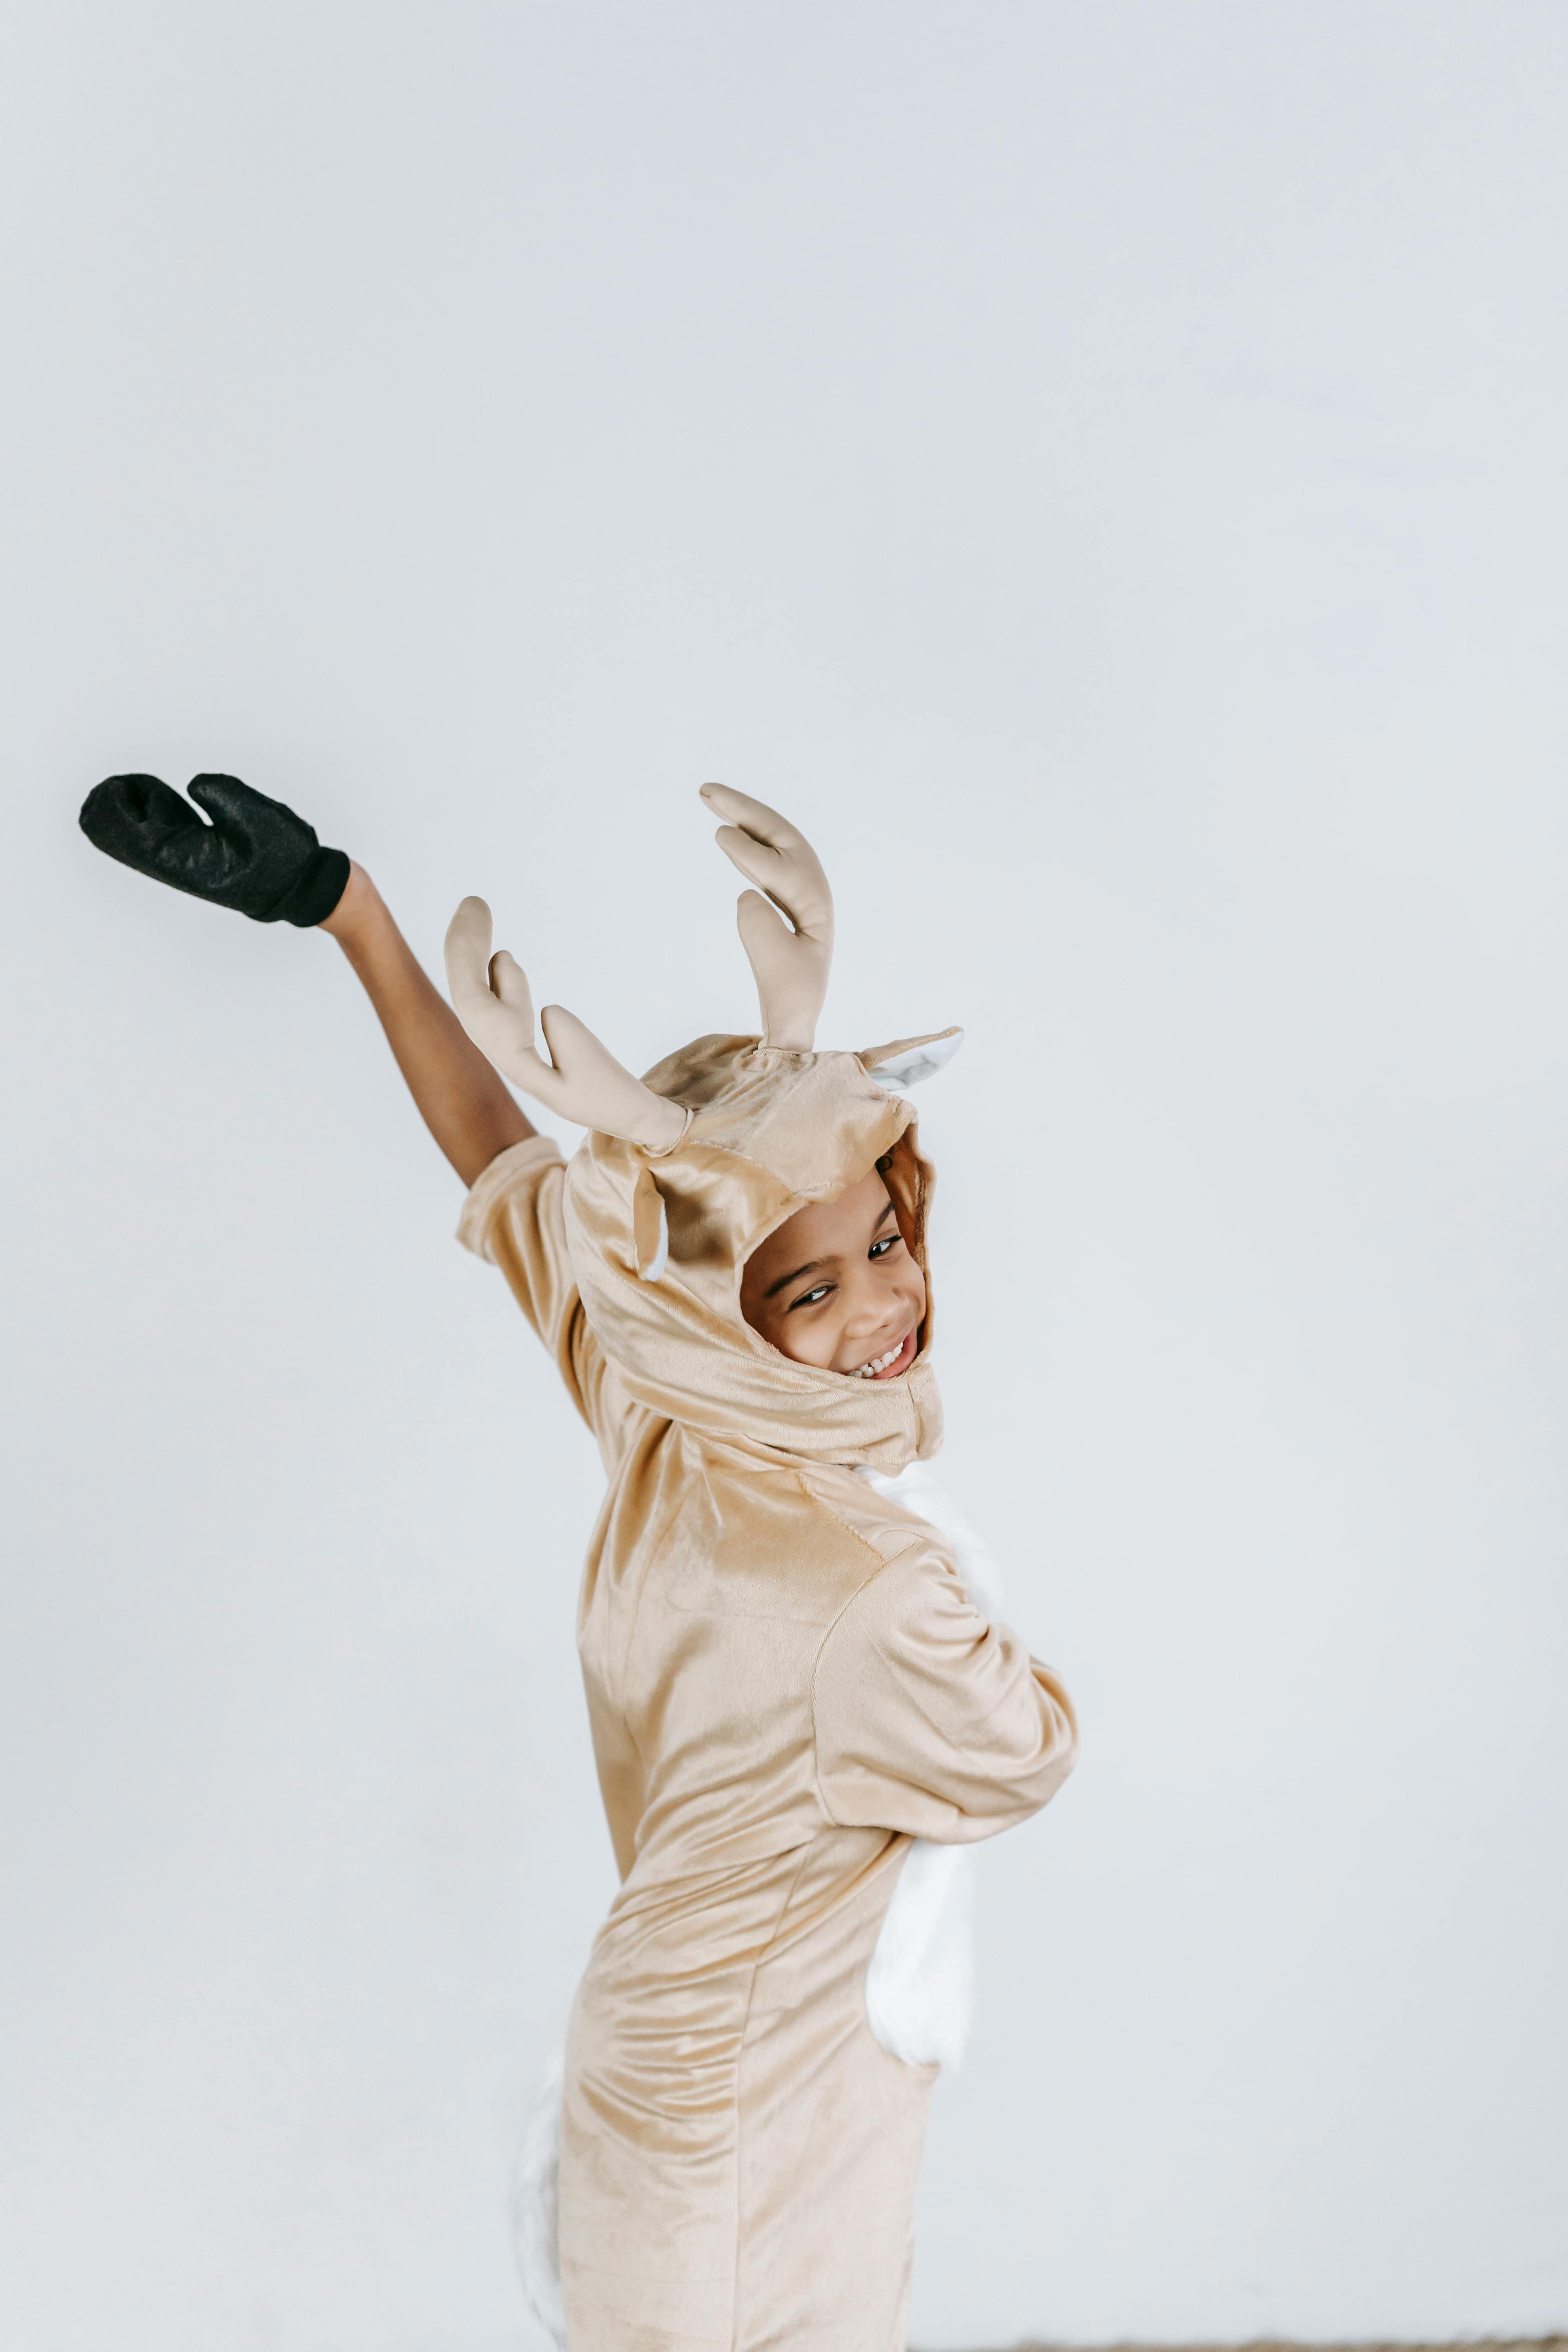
(786,1682)
(255,855)
(769,1130)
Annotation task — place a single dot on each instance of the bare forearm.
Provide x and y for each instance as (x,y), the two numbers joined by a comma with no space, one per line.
(465,1106)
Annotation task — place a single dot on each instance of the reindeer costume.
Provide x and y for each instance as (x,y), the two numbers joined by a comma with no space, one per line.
(789,1685)
(800,1712)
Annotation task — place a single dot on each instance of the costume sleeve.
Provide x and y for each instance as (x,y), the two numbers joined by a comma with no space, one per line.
(930,1719)
(513,1218)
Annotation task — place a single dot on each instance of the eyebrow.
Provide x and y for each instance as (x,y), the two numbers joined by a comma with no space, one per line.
(814,1265)
(811,1266)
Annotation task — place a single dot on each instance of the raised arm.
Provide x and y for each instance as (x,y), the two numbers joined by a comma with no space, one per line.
(255,855)
(465,1106)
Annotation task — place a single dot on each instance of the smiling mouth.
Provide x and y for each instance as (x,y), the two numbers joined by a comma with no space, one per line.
(885,1368)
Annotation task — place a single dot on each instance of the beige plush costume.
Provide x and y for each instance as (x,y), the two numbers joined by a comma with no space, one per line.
(786,1682)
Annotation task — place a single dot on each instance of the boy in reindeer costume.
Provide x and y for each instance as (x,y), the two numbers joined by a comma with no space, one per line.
(799,1711)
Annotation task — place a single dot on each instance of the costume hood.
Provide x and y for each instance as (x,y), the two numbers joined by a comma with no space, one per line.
(688,1169)
(658,1244)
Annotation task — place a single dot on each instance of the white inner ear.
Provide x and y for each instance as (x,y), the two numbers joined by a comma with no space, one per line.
(651,1273)
(903,1071)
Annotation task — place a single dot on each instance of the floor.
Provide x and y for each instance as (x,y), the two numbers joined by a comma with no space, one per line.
(1465,2344)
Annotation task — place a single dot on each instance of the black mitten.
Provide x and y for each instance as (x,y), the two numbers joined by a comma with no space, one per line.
(255,855)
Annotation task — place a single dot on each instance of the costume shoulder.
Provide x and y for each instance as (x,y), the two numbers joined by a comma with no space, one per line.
(514,1219)
(765,1539)
(929,1718)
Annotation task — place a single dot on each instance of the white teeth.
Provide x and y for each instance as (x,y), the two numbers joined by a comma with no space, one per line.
(879,1364)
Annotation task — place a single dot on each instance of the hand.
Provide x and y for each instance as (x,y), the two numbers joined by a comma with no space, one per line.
(255,855)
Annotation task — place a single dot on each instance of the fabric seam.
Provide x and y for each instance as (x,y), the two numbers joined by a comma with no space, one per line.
(866,1545)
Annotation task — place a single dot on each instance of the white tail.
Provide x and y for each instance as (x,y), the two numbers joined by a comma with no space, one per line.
(536,2208)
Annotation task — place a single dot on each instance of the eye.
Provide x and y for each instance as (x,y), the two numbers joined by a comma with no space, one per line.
(881,1249)
(810,1297)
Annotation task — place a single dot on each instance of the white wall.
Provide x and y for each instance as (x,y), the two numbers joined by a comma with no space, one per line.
(1101,467)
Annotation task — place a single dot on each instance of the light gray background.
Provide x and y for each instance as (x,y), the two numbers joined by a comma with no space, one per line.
(1101,468)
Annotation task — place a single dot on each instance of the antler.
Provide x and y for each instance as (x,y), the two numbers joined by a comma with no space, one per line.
(790,965)
(581,1080)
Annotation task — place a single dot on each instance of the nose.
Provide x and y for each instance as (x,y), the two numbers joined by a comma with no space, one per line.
(873,1306)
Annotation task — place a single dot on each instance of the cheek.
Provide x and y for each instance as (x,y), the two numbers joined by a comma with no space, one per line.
(816,1343)
(909,1281)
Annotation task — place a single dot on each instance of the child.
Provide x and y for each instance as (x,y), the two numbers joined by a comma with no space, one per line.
(791,1692)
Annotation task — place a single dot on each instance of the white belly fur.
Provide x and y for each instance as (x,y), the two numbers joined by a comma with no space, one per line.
(920,1981)
(920,1987)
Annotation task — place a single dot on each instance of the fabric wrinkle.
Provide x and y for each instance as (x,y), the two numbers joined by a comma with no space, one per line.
(787,1683)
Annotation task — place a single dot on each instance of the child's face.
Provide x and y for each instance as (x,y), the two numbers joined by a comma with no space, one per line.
(835,1288)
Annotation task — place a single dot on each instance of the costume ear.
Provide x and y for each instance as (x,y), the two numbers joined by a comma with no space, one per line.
(650,1228)
(909,1060)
